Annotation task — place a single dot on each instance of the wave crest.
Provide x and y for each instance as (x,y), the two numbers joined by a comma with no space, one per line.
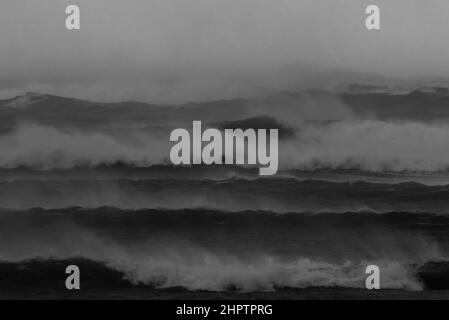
(361,144)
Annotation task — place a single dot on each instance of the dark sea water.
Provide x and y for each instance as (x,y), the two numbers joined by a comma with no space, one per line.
(91,184)
(315,242)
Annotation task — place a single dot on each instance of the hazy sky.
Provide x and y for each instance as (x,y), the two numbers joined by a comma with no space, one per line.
(179,50)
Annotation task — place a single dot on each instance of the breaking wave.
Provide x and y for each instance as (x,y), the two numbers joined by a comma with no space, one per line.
(197,250)
(211,273)
(369,145)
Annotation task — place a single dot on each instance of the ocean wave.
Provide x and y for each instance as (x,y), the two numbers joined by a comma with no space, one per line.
(219,251)
(348,144)
(212,273)
(370,145)
(275,194)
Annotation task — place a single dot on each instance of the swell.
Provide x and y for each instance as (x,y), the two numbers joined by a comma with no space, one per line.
(273,194)
(124,171)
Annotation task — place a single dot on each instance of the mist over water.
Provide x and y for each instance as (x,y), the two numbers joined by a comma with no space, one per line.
(85,123)
(379,146)
(351,191)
